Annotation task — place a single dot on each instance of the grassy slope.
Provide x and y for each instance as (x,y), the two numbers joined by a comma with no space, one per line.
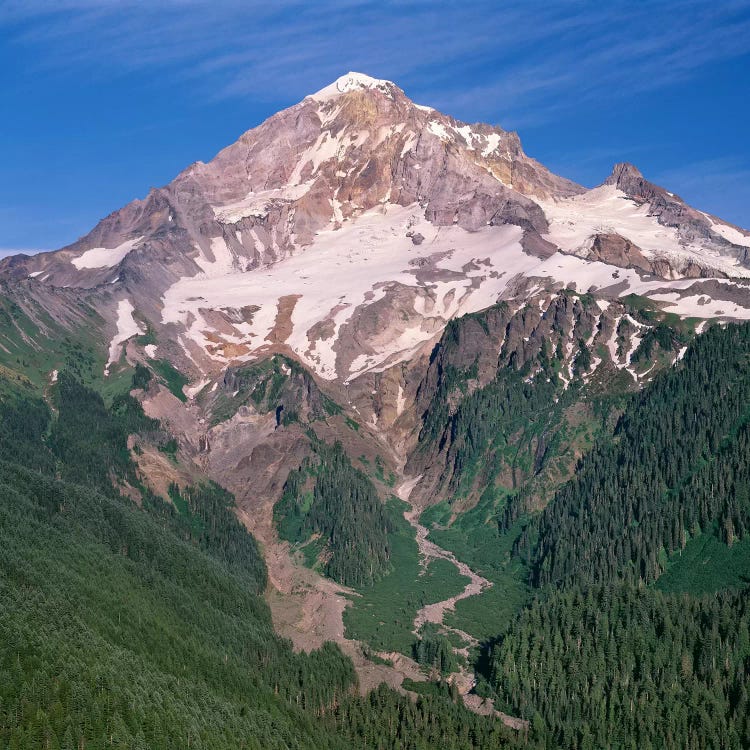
(383,614)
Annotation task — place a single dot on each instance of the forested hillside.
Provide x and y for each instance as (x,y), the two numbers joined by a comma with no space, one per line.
(143,625)
(619,666)
(598,658)
(335,510)
(619,608)
(677,465)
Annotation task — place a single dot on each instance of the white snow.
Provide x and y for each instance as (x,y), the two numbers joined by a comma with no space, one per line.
(104,257)
(702,306)
(493,141)
(348,268)
(325,148)
(35,274)
(127,326)
(353,82)
(606,210)
(729,232)
(224,261)
(400,400)
(193,390)
(150,350)
(258,203)
(53,376)
(438,129)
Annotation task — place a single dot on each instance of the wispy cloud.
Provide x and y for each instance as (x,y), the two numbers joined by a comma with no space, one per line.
(524,61)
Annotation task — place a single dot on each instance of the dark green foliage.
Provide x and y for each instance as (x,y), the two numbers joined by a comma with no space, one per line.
(475,537)
(328,496)
(113,628)
(142,376)
(680,462)
(388,721)
(145,628)
(170,448)
(171,377)
(24,420)
(582,361)
(706,565)
(487,419)
(382,614)
(33,343)
(660,335)
(89,439)
(522,429)
(434,650)
(206,518)
(439,688)
(616,666)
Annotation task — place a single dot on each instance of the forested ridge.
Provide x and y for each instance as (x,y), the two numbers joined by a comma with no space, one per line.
(327,496)
(507,402)
(677,465)
(597,656)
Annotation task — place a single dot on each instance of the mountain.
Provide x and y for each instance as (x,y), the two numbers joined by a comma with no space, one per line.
(348,229)
(440,385)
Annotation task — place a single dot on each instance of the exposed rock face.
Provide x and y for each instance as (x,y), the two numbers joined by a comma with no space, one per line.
(620,252)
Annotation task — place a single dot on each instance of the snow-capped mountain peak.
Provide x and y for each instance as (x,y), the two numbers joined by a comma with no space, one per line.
(353,82)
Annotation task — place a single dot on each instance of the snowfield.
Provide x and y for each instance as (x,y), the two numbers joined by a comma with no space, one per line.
(451,273)
(607,210)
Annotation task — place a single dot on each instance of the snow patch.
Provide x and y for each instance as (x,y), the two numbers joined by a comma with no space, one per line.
(127,326)
(493,141)
(400,401)
(728,232)
(224,260)
(105,257)
(257,204)
(193,390)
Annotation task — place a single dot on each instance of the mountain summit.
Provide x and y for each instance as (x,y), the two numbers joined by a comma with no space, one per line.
(350,228)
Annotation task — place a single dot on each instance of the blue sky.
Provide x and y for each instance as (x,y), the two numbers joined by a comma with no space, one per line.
(102,100)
